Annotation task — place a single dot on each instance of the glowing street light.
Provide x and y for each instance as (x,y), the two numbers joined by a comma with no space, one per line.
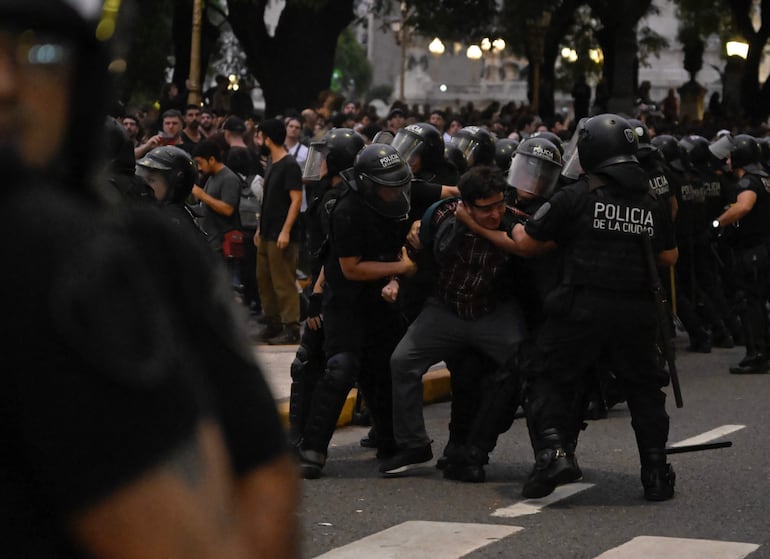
(737,48)
(569,54)
(596,55)
(436,47)
(473,52)
(498,44)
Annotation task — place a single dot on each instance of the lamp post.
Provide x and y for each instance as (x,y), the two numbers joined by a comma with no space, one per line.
(399,28)
(536,29)
(194,96)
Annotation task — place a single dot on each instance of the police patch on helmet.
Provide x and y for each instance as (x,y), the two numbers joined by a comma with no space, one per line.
(389,160)
(630,136)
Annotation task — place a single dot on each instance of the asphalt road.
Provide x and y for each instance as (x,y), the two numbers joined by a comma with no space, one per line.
(720,510)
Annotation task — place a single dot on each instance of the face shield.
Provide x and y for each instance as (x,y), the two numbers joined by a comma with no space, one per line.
(722,147)
(316,156)
(572,168)
(391,201)
(533,175)
(467,145)
(406,144)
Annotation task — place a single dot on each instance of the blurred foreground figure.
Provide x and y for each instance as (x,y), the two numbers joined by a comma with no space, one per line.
(134,419)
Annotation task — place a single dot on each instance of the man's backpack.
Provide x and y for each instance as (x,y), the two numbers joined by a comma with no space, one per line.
(251,201)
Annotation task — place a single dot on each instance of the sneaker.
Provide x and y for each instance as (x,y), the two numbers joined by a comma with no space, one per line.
(658,483)
(406,459)
(552,467)
(310,463)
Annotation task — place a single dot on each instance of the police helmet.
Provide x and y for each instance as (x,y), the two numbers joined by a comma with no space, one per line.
(606,140)
(455,157)
(669,148)
(177,168)
(764,148)
(505,149)
(536,167)
(746,152)
(643,135)
(551,137)
(696,151)
(477,145)
(383,179)
(57,33)
(338,148)
(423,139)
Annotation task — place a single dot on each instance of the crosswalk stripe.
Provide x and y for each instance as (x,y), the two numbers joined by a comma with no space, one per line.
(533,506)
(644,547)
(709,436)
(418,539)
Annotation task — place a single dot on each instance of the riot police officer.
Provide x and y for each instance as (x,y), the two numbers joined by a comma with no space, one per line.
(326,159)
(365,257)
(505,150)
(171,173)
(602,306)
(749,231)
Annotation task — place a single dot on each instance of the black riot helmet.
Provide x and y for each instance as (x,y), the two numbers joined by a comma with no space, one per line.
(764,148)
(606,140)
(477,144)
(551,137)
(423,139)
(177,168)
(505,149)
(720,151)
(383,179)
(456,158)
(746,153)
(536,167)
(53,33)
(668,146)
(643,135)
(338,147)
(696,151)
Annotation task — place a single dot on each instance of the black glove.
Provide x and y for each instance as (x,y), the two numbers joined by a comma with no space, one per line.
(314,305)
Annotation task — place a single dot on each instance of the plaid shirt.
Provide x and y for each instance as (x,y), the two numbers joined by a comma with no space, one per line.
(468,271)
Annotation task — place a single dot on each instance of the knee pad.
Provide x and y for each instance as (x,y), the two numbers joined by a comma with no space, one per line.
(300,362)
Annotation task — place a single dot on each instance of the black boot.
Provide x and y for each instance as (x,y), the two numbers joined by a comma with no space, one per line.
(289,334)
(658,477)
(467,465)
(755,364)
(700,341)
(552,467)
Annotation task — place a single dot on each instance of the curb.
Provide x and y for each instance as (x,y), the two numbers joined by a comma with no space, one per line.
(435,388)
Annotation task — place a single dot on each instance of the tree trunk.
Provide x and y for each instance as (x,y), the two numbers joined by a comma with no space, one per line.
(295,65)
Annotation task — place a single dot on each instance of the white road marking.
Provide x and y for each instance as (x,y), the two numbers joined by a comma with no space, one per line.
(644,547)
(419,539)
(709,436)
(533,506)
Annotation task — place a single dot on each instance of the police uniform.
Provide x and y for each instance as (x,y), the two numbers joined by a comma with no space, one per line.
(751,241)
(603,306)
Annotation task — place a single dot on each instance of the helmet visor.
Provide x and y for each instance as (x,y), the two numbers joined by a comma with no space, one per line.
(390,201)
(722,147)
(406,144)
(316,156)
(572,168)
(533,175)
(467,145)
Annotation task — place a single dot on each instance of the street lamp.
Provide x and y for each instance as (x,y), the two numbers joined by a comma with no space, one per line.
(737,48)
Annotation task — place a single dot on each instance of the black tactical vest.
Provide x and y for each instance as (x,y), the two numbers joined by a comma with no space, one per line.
(607,251)
(754,227)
